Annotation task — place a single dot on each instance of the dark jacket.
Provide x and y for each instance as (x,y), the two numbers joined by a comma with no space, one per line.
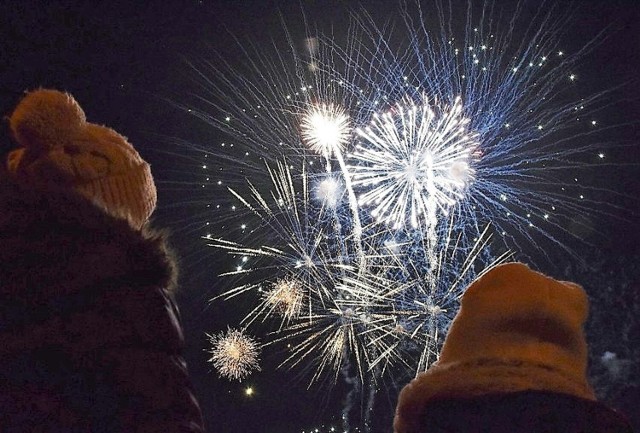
(90,338)
(518,412)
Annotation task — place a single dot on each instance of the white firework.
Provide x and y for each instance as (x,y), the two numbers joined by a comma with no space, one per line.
(415,159)
(332,312)
(234,354)
(326,129)
(329,191)
(286,296)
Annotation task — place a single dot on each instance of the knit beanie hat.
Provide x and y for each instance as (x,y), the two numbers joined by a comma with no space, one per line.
(61,150)
(516,330)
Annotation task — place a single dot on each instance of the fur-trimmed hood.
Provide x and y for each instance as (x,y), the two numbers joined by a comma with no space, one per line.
(55,242)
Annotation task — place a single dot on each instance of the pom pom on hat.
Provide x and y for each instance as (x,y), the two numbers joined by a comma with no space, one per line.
(45,118)
(516,330)
(60,149)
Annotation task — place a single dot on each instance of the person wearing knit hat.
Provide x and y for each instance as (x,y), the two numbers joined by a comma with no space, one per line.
(91,335)
(514,360)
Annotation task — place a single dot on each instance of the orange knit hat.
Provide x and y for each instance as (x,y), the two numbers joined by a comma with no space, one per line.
(60,149)
(516,330)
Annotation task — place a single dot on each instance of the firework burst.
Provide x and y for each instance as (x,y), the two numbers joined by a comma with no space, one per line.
(512,96)
(326,129)
(286,296)
(234,354)
(412,160)
(521,137)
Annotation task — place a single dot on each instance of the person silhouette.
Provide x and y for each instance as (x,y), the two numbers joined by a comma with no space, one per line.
(91,336)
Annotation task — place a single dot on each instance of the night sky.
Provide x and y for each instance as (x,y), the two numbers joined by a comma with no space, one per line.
(127,65)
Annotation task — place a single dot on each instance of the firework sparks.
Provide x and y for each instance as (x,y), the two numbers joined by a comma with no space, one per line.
(329,191)
(286,297)
(414,158)
(335,313)
(504,99)
(234,354)
(326,129)
(342,329)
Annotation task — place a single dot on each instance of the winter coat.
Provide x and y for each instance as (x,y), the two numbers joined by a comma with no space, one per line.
(90,338)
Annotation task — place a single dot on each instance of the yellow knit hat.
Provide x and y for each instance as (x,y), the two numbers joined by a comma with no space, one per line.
(516,330)
(60,149)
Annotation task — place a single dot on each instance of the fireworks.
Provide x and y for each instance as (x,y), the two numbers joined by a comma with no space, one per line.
(286,296)
(366,183)
(334,307)
(329,191)
(412,161)
(479,119)
(326,129)
(234,354)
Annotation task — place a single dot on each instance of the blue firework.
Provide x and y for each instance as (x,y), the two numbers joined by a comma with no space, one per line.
(525,121)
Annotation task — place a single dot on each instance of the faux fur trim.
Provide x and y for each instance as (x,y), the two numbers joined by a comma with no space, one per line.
(476,378)
(54,241)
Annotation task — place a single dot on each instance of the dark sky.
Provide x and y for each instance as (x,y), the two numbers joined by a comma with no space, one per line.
(122,61)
